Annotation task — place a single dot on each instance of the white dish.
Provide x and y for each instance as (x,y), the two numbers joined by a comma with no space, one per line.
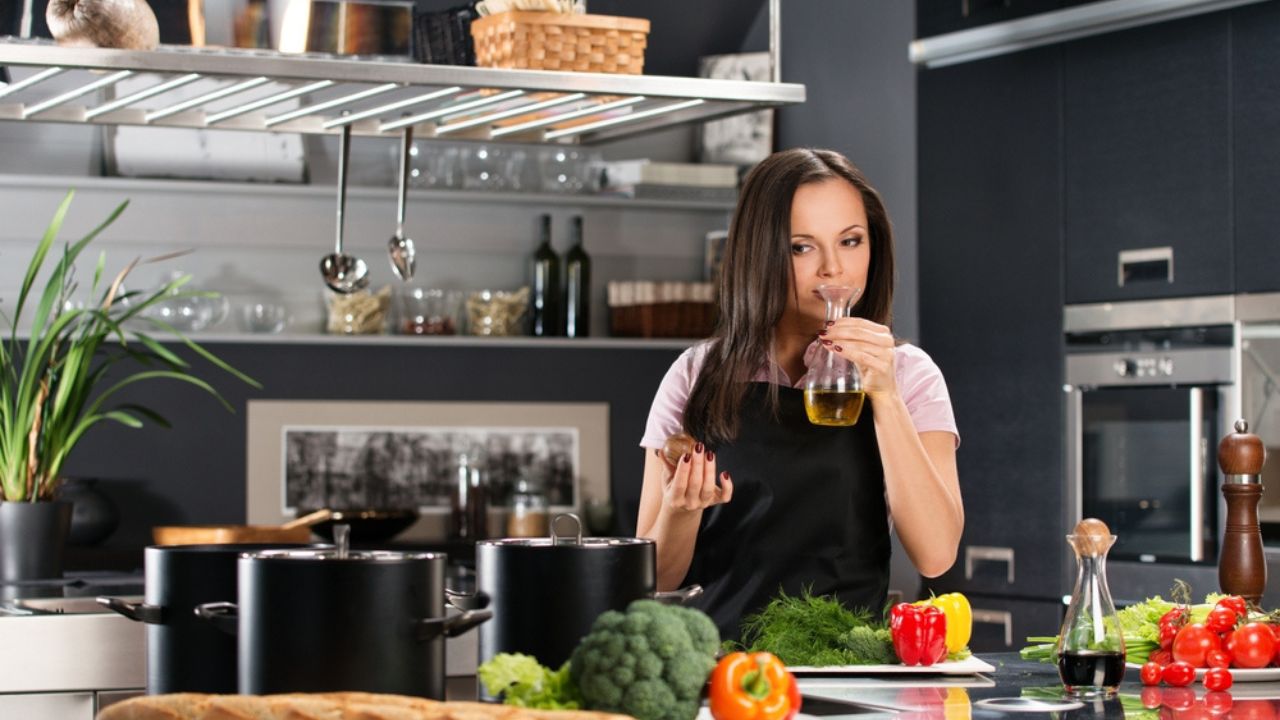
(1237,674)
(971,665)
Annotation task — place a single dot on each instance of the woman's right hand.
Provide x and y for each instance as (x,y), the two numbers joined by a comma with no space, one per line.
(691,484)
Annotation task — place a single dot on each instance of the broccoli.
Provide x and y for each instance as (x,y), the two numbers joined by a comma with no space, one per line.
(650,662)
(868,645)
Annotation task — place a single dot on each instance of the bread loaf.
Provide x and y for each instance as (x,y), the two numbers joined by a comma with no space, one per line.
(324,706)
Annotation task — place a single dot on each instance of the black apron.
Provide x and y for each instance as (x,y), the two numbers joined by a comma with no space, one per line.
(808,512)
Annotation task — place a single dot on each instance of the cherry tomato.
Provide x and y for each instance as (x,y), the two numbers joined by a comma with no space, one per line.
(1152,673)
(1170,623)
(1217,659)
(1219,703)
(1222,619)
(1152,697)
(1253,646)
(1164,657)
(1194,642)
(1180,674)
(1217,679)
(1236,603)
(1179,698)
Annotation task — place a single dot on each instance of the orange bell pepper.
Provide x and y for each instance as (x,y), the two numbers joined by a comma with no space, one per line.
(755,686)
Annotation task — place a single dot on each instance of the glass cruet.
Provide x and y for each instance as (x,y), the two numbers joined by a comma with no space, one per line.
(833,393)
(1090,647)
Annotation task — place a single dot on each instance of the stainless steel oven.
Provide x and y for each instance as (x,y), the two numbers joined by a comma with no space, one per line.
(1151,387)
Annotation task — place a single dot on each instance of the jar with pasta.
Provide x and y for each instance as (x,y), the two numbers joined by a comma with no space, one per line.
(497,312)
(357,313)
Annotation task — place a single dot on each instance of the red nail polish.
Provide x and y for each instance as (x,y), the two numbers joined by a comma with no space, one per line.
(711,456)
(826,342)
(724,475)
(686,457)
(822,332)
(838,348)
(698,448)
(830,323)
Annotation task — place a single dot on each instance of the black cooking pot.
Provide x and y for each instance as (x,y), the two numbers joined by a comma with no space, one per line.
(545,593)
(315,621)
(183,653)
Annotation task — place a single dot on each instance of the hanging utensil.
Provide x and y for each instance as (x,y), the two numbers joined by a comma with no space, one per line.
(399,247)
(343,273)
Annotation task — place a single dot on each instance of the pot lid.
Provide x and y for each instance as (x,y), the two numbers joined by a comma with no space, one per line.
(336,555)
(573,540)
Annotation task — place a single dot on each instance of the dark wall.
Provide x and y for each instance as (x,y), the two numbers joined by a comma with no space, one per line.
(195,472)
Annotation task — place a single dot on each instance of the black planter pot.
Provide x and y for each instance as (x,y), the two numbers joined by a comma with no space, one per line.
(93,515)
(33,539)
(184,653)
(311,621)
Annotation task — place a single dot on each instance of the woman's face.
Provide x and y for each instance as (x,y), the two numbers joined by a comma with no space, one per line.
(830,244)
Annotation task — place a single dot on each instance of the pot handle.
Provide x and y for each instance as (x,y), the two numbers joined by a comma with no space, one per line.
(450,626)
(223,615)
(476,601)
(139,612)
(679,597)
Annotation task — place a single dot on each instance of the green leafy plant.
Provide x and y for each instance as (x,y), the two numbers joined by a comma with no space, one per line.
(53,383)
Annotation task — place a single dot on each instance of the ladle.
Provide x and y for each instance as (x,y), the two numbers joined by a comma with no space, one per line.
(399,247)
(343,273)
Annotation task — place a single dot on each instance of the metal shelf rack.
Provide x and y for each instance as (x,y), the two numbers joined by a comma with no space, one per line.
(202,88)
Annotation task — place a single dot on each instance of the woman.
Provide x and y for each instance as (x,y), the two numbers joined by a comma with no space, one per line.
(768,501)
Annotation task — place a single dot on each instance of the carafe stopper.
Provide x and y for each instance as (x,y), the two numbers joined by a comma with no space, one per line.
(1242,568)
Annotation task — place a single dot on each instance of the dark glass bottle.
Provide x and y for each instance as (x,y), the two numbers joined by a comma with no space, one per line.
(545,299)
(577,286)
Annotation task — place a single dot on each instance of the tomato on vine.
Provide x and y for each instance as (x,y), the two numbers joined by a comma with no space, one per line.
(1152,673)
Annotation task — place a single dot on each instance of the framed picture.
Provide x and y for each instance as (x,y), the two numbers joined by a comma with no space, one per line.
(351,454)
(744,139)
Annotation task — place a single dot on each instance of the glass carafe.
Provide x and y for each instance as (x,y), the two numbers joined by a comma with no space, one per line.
(1091,646)
(833,394)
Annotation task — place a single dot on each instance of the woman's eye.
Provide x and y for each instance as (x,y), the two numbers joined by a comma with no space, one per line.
(851,242)
(799,248)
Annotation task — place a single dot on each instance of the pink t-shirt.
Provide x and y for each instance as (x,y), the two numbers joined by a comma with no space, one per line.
(920,384)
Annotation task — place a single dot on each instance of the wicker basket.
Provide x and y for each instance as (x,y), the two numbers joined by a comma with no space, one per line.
(551,41)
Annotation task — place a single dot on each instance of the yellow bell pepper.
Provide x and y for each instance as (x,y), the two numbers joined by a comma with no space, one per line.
(956,706)
(959,619)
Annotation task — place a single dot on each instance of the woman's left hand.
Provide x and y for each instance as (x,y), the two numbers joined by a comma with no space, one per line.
(868,345)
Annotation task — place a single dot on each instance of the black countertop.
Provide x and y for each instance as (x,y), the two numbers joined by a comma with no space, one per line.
(930,698)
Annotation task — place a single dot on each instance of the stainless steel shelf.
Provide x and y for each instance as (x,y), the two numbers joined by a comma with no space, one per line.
(204,88)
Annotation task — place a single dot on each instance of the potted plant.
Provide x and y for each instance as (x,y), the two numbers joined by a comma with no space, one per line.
(62,378)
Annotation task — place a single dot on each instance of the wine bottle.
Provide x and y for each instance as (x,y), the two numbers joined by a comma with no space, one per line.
(545,299)
(577,286)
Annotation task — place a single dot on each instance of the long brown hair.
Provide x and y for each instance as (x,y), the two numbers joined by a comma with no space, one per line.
(756,278)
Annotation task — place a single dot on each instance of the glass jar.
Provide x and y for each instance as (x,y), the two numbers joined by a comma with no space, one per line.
(833,392)
(529,512)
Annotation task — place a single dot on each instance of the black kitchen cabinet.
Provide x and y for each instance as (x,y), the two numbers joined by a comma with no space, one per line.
(935,17)
(1147,161)
(990,244)
(1003,624)
(1255,111)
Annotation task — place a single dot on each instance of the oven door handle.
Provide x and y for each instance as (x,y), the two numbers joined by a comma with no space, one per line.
(1195,415)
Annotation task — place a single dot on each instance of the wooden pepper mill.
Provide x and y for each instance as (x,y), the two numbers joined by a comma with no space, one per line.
(1242,569)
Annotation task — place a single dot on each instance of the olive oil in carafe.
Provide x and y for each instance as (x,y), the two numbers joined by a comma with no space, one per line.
(836,408)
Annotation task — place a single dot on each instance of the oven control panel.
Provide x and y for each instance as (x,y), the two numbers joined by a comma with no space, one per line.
(1144,367)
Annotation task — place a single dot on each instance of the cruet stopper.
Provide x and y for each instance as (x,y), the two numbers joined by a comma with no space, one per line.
(1242,568)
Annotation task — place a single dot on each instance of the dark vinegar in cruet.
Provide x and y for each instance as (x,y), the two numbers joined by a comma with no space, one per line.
(1090,668)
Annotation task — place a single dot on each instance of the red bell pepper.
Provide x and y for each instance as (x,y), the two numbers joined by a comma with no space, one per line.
(919,633)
